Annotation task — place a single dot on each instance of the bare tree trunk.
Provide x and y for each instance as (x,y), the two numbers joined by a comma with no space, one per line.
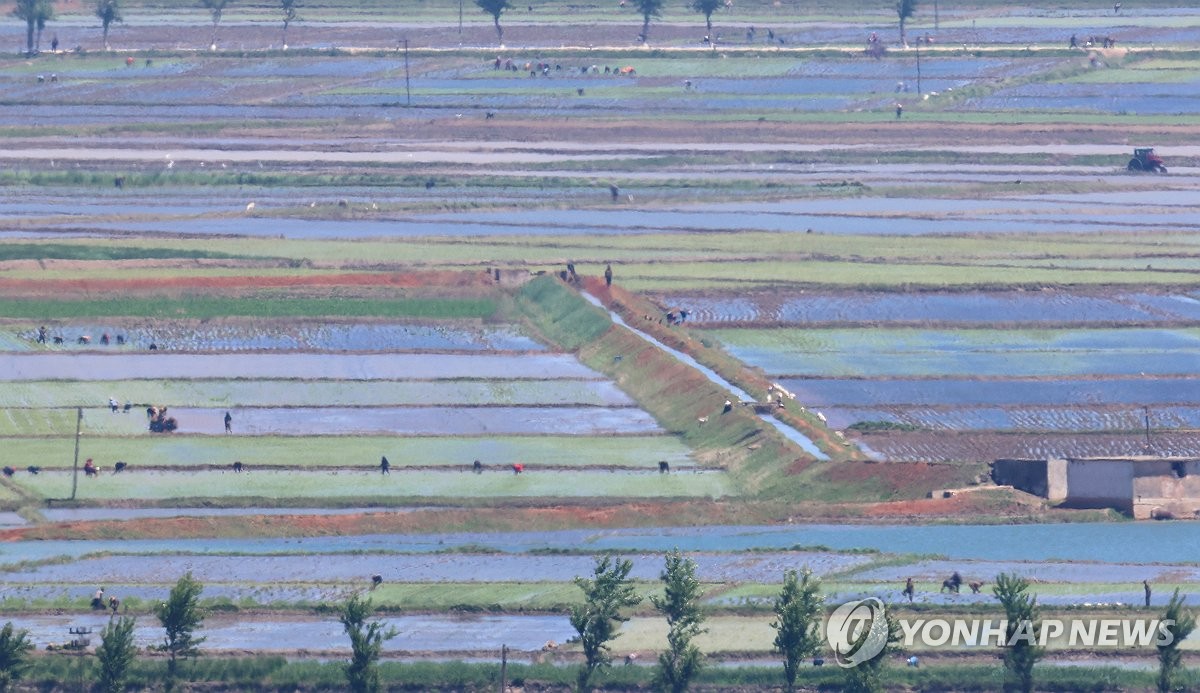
(499,31)
(285,25)
(708,23)
(646,29)
(29,37)
(903,38)
(106,46)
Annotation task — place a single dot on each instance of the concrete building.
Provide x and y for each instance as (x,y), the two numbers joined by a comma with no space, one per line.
(1144,487)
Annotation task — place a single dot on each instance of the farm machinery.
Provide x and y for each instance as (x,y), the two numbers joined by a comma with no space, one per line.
(1144,159)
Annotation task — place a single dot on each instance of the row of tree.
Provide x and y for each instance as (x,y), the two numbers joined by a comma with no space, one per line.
(35,14)
(608,596)
(181,616)
(799,610)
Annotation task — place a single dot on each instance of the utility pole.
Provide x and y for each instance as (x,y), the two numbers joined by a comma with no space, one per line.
(1147,413)
(918,69)
(407,87)
(75,467)
(503,667)
(935,15)
(460,4)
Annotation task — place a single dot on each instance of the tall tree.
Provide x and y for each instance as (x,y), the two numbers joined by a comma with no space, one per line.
(905,10)
(680,604)
(180,616)
(35,14)
(597,618)
(116,654)
(797,622)
(108,11)
(706,8)
(366,644)
(215,8)
(1024,626)
(648,8)
(14,655)
(289,16)
(45,12)
(494,8)
(1170,659)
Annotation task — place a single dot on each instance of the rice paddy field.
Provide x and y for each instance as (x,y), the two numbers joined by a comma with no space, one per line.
(384,233)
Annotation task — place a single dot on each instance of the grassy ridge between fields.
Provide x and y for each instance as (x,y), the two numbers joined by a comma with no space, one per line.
(676,395)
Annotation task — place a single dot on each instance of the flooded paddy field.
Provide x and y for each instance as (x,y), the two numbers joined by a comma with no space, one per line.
(413,421)
(960,309)
(401,486)
(244,392)
(979,353)
(296,452)
(236,335)
(131,366)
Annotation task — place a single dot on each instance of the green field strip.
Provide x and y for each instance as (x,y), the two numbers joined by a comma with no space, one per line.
(367,486)
(315,452)
(305,393)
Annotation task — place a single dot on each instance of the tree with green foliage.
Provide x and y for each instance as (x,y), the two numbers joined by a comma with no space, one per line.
(867,676)
(35,14)
(495,8)
(216,8)
(45,14)
(706,8)
(1179,624)
(648,9)
(366,644)
(1021,633)
(116,654)
(905,10)
(289,15)
(797,621)
(108,11)
(680,604)
(597,618)
(180,616)
(14,655)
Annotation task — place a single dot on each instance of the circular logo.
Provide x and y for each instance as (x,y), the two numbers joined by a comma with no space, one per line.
(857,631)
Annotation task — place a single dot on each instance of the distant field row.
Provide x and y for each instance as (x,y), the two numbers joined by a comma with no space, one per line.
(565,451)
(907,352)
(93,395)
(369,486)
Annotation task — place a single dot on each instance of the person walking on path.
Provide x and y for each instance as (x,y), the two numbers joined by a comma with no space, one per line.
(228,423)
(608,275)
(1146,586)
(385,467)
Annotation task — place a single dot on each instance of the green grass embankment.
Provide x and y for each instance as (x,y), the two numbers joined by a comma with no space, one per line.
(677,395)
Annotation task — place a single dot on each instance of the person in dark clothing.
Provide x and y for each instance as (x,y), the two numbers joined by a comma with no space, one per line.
(228,423)
(385,467)
(608,275)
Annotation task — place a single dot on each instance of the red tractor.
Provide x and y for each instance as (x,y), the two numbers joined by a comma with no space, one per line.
(1144,159)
